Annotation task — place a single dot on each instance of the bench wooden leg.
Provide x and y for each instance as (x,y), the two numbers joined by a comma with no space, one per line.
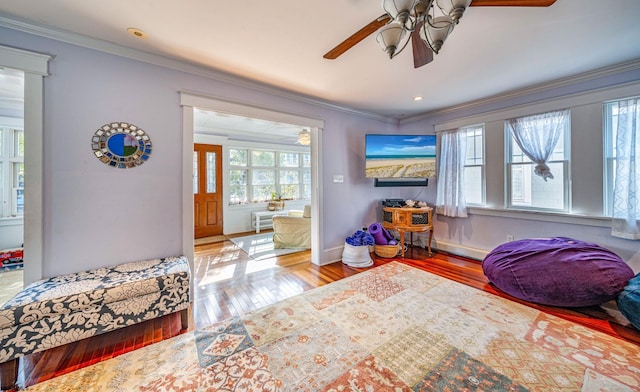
(184,318)
(9,374)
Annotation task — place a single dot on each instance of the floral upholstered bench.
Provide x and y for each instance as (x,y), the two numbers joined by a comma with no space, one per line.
(64,309)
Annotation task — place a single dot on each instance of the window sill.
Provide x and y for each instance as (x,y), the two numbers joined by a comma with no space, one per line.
(264,204)
(12,221)
(248,206)
(556,217)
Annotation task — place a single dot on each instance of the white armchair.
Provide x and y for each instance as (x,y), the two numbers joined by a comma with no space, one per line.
(293,230)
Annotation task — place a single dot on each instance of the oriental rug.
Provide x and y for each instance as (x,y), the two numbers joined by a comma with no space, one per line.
(391,328)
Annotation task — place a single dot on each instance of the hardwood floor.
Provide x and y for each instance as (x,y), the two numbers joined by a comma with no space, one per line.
(229,283)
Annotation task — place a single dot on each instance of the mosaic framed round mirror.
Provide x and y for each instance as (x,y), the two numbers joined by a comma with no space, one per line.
(121,145)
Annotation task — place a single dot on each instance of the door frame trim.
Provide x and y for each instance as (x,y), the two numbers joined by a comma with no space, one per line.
(35,67)
(189,101)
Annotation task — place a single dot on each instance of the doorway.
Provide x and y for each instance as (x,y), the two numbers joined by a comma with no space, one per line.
(35,67)
(11,182)
(207,190)
(190,102)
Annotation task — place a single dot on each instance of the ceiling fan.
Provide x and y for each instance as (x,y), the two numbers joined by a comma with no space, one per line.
(426,23)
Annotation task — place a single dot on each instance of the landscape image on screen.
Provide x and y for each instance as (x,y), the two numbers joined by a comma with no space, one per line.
(400,156)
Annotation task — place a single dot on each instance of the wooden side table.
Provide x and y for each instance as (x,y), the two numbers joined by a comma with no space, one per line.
(405,219)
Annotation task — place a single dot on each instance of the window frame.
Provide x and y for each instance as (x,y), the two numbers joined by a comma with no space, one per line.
(250,168)
(566,171)
(587,138)
(609,135)
(10,160)
(3,175)
(608,156)
(482,165)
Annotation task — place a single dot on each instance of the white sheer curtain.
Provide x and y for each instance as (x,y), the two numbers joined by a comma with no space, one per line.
(537,136)
(625,189)
(450,200)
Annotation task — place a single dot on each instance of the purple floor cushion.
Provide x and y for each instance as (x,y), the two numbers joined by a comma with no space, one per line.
(629,301)
(557,271)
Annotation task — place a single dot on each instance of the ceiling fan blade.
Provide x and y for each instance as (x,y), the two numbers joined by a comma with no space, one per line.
(422,54)
(357,37)
(512,3)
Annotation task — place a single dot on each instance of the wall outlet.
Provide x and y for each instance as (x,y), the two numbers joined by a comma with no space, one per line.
(509,238)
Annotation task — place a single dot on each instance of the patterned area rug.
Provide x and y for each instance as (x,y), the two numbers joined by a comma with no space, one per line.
(391,328)
(260,246)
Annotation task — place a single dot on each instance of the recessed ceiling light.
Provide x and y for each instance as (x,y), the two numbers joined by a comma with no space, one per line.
(136,32)
(418,98)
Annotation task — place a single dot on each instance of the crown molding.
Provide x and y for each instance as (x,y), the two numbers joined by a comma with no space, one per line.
(174,64)
(217,75)
(195,99)
(36,63)
(568,101)
(612,70)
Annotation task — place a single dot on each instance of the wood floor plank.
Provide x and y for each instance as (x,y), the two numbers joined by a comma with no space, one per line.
(225,287)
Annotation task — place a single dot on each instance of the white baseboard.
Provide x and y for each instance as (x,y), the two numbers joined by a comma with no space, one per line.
(335,254)
(460,250)
(332,255)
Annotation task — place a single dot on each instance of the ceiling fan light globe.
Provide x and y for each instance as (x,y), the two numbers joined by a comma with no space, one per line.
(421,8)
(304,137)
(448,5)
(453,8)
(436,30)
(397,7)
(390,36)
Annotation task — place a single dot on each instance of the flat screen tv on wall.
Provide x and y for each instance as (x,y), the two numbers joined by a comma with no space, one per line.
(400,156)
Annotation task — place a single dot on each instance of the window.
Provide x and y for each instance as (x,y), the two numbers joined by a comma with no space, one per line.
(289,159)
(3,186)
(211,172)
(290,184)
(11,172)
(238,176)
(196,179)
(610,128)
(526,189)
(238,186)
(263,184)
(474,166)
(622,165)
(258,175)
(263,158)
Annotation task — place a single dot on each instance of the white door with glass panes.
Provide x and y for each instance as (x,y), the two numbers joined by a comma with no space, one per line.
(207,190)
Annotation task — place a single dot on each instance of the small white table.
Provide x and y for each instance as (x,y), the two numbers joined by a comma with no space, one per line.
(262,219)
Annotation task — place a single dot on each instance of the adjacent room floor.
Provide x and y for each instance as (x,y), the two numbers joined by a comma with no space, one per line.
(10,284)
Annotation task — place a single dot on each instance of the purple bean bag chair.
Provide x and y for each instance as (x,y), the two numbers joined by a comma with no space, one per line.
(557,271)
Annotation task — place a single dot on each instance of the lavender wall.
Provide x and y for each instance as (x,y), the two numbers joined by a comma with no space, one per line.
(95,215)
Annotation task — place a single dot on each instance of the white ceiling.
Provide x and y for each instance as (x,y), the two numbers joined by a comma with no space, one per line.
(11,92)
(245,129)
(281,43)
